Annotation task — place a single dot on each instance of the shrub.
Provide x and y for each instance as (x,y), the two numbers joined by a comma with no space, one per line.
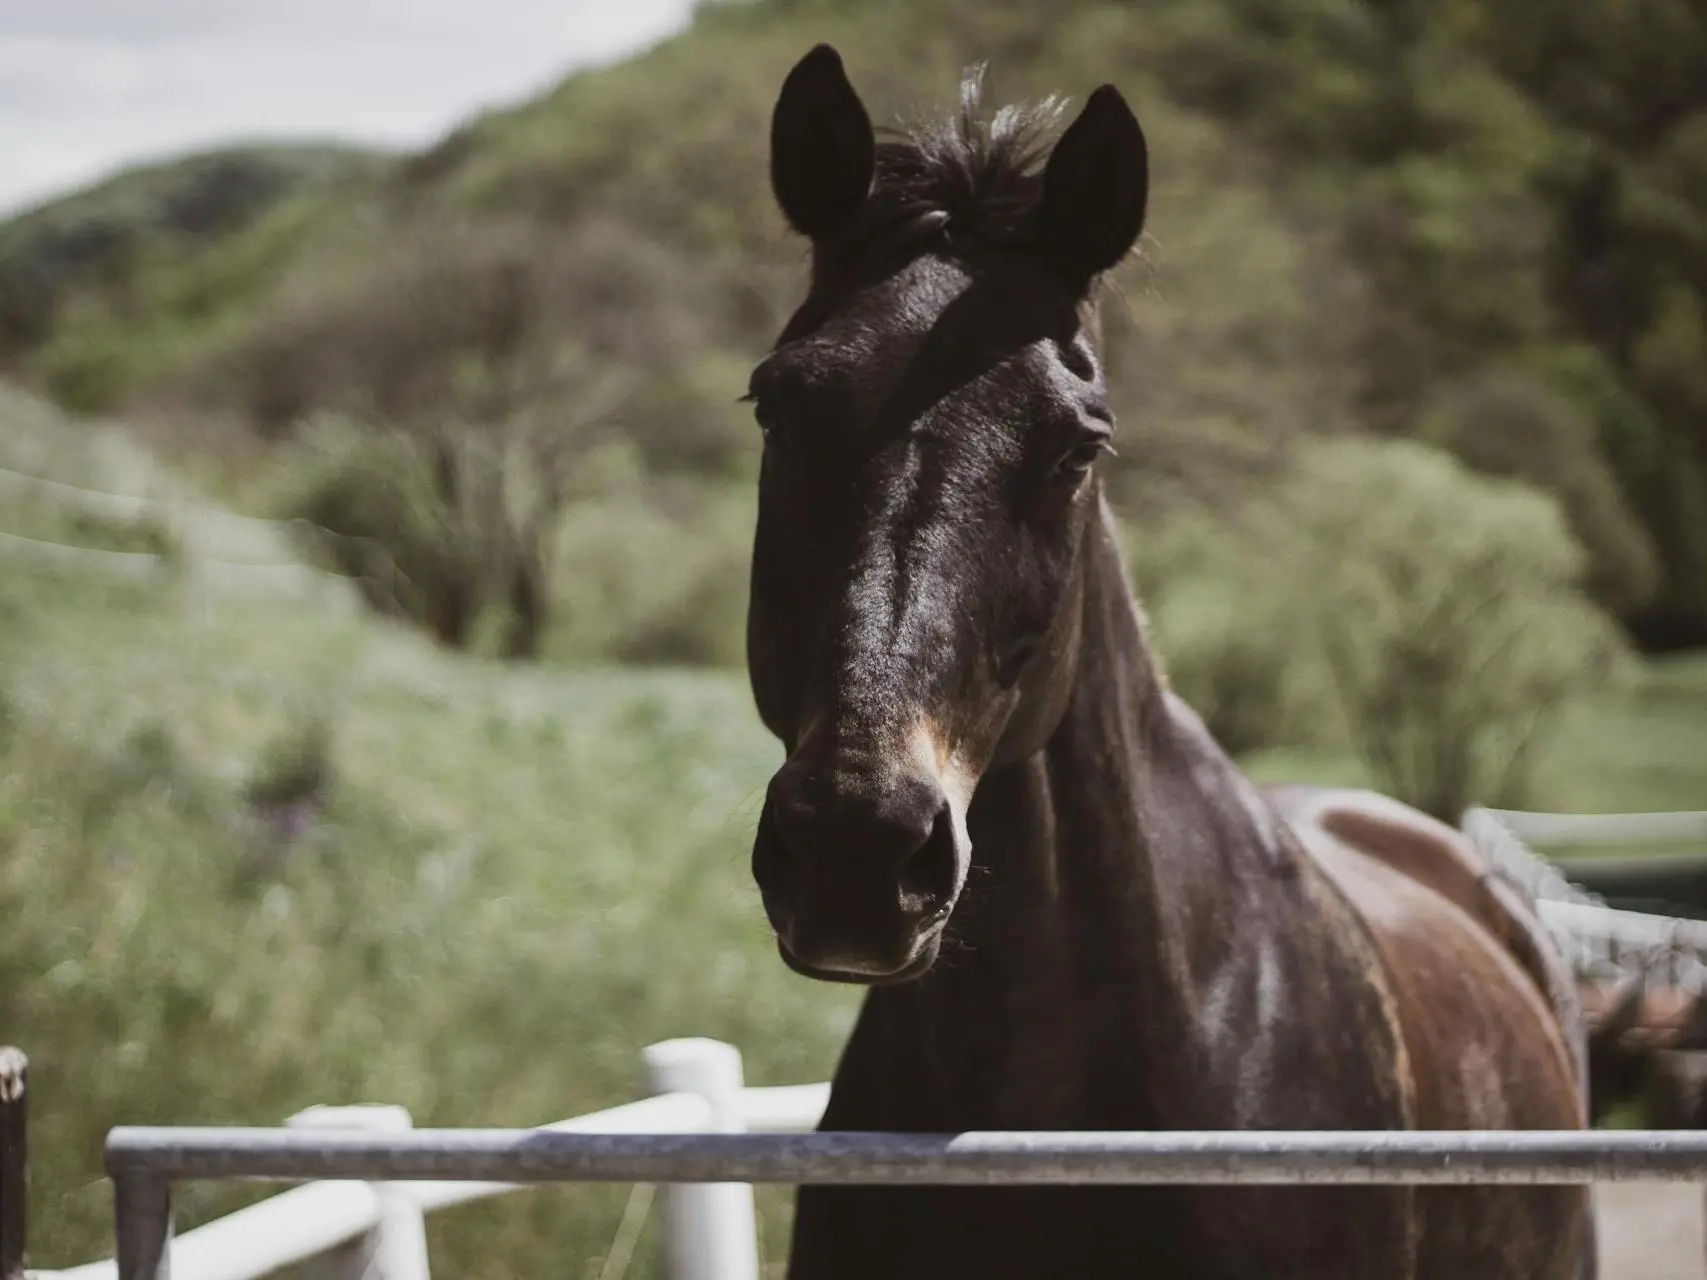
(655,575)
(1446,608)
(367,509)
(444,526)
(296,767)
(1225,625)
(469,321)
(1505,423)
(1437,612)
(480,539)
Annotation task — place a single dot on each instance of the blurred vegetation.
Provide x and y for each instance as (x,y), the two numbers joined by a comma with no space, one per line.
(111,287)
(1227,625)
(1383,602)
(1481,223)
(1455,636)
(83,529)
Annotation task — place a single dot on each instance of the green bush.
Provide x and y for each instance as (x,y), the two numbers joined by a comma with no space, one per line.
(1377,595)
(1504,423)
(447,526)
(296,767)
(655,574)
(642,571)
(1225,623)
(366,504)
(1447,609)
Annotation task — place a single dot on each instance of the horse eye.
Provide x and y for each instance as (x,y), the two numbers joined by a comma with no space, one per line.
(765,416)
(1079,460)
(1076,355)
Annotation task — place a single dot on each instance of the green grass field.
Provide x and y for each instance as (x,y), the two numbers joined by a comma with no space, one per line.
(519,879)
(1638,748)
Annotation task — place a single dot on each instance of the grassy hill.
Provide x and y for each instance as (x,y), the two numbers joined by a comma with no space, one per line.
(1444,221)
(168,251)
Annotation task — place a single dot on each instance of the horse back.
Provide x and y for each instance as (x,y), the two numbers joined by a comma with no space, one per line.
(1488,1016)
(1432,900)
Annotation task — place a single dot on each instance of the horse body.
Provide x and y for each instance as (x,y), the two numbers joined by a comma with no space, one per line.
(1202,967)
(1072,909)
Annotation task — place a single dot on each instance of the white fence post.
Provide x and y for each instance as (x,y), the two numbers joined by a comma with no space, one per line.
(710,1230)
(396,1247)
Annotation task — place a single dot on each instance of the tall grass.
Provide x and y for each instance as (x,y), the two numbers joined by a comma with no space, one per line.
(493,889)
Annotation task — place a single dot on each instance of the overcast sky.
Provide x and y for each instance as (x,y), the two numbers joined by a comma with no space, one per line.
(88,86)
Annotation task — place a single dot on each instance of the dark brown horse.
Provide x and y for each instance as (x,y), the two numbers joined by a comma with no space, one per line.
(1072,909)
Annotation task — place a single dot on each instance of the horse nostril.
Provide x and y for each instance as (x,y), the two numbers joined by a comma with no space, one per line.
(930,874)
(771,851)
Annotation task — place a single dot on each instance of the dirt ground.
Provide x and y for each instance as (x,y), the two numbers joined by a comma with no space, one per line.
(1651,1231)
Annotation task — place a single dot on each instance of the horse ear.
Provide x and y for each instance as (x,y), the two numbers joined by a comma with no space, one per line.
(1095,187)
(823,151)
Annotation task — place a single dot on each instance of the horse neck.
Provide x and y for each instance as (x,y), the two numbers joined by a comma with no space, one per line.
(1065,836)
(1101,864)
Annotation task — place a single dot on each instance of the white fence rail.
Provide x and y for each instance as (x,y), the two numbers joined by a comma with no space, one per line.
(1600,942)
(213,549)
(205,524)
(371,1230)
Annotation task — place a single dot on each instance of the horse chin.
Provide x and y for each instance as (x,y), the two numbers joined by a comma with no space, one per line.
(924,953)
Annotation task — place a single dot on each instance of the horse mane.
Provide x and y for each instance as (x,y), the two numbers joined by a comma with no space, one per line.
(965,181)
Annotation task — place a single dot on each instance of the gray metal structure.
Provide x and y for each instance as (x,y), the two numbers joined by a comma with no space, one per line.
(144,1162)
(1086,1158)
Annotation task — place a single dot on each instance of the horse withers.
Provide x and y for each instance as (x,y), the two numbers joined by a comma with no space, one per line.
(1072,910)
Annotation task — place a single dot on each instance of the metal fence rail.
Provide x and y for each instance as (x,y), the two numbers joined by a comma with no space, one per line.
(144,1162)
(1106,1158)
